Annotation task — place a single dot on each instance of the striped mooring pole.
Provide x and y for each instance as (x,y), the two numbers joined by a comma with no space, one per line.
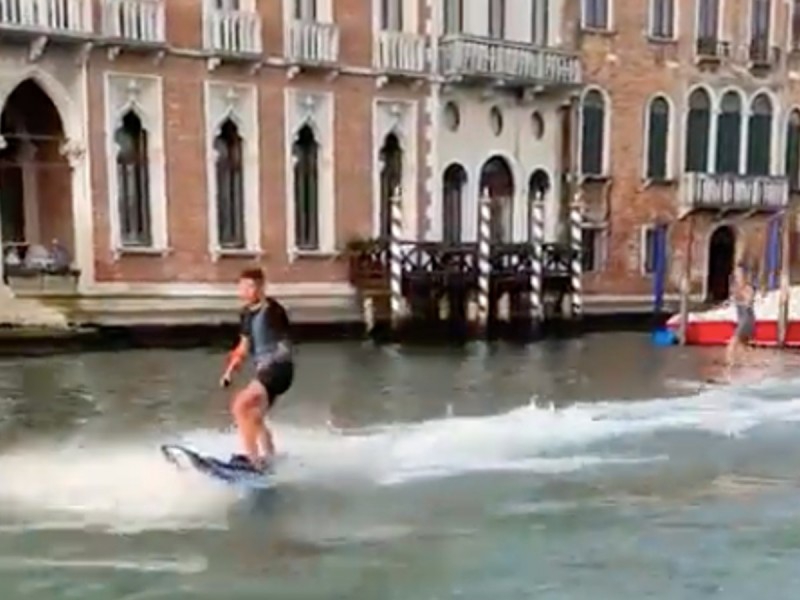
(484,260)
(396,259)
(537,244)
(576,238)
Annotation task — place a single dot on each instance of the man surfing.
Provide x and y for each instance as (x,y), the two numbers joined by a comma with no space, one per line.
(264,337)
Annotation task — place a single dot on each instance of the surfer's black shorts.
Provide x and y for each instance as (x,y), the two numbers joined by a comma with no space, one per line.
(277,378)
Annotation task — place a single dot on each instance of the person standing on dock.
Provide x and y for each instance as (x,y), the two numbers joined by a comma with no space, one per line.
(742,296)
(264,336)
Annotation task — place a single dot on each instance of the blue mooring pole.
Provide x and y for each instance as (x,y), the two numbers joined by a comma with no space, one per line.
(659,268)
(661,336)
(773,251)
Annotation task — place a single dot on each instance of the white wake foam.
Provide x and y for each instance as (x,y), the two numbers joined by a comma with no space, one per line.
(129,485)
(103,484)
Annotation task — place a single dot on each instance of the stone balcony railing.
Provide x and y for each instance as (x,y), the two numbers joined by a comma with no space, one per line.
(734,192)
(232,32)
(47,17)
(137,21)
(312,43)
(399,52)
(509,62)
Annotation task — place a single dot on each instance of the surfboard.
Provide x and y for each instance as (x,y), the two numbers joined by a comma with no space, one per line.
(237,470)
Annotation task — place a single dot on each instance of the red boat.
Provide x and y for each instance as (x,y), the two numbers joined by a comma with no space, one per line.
(715,326)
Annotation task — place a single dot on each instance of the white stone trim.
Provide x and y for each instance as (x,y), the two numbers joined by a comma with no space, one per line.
(400,118)
(239,103)
(315,109)
(144,95)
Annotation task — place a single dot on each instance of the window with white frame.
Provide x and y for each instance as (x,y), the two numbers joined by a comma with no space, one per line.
(391,15)
(760,21)
(497,19)
(592,248)
(540,22)
(595,14)
(698,132)
(662,19)
(305,10)
(133,183)
(453,16)
(708,19)
(593,125)
(658,117)
(306,151)
(794,34)
(230,196)
(228,4)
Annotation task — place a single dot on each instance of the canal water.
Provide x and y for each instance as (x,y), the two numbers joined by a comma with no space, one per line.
(585,469)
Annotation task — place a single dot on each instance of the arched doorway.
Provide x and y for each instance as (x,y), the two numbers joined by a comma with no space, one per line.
(35,179)
(453,182)
(721,255)
(497,179)
(538,186)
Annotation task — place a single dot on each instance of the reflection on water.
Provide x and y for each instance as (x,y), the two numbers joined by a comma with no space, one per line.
(570,469)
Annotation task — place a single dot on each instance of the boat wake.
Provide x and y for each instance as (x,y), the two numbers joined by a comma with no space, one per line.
(128,486)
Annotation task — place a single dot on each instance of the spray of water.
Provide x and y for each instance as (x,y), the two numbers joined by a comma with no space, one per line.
(129,485)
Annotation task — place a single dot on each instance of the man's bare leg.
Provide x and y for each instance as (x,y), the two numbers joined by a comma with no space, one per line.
(265,440)
(245,404)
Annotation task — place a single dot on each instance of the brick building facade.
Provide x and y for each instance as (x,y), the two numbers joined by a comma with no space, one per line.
(690,116)
(166,145)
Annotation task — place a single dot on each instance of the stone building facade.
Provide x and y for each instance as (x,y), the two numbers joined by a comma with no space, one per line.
(163,146)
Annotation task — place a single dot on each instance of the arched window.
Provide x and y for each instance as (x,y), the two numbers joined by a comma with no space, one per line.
(391,159)
(453,182)
(133,182)
(230,186)
(306,190)
(729,133)
(657,139)
(698,126)
(593,116)
(759,136)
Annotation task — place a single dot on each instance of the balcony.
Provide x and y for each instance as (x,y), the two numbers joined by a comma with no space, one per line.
(711,49)
(704,191)
(399,53)
(39,21)
(232,35)
(311,44)
(763,55)
(134,24)
(507,63)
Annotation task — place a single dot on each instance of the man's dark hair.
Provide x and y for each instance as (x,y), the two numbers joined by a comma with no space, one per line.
(255,275)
